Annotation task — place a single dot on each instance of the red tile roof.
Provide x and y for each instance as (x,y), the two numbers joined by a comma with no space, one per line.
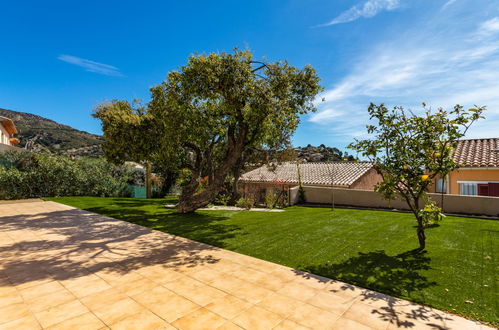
(324,174)
(477,153)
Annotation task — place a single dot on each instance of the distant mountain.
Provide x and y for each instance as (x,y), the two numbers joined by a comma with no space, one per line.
(37,133)
(321,153)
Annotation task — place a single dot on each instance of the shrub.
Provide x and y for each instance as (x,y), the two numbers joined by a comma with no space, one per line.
(301,195)
(431,214)
(246,203)
(30,175)
(271,199)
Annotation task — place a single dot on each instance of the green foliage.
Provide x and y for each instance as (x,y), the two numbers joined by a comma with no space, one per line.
(301,195)
(409,151)
(208,114)
(245,203)
(271,199)
(29,175)
(431,214)
(322,153)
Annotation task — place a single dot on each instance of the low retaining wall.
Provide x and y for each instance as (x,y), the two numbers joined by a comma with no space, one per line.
(470,205)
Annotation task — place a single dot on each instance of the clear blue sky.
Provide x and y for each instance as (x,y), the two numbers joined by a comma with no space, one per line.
(59,59)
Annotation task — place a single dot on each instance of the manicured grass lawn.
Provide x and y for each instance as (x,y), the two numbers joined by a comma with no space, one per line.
(372,249)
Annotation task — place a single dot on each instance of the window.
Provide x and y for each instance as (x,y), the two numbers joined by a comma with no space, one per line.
(468,189)
(441,186)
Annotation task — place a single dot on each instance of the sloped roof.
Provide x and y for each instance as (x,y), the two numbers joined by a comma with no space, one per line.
(477,153)
(326,174)
(8,124)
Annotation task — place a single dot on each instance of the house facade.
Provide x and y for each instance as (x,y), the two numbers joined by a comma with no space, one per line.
(259,182)
(7,131)
(478,174)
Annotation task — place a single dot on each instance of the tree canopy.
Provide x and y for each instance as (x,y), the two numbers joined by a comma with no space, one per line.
(208,114)
(409,151)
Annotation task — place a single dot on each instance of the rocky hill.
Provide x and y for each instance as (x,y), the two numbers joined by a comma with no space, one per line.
(37,133)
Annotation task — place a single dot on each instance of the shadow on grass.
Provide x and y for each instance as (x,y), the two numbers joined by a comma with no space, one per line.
(398,275)
(207,228)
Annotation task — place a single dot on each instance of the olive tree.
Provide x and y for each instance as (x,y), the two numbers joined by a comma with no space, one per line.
(409,151)
(207,114)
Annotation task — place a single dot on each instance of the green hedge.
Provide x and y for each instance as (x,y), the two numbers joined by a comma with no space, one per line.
(30,175)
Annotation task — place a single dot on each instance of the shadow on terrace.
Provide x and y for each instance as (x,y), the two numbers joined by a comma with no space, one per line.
(398,275)
(71,243)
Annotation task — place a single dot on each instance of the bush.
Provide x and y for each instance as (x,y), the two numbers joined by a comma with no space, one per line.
(431,214)
(30,175)
(246,203)
(301,195)
(271,199)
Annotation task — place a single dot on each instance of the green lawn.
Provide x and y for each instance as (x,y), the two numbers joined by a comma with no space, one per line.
(373,249)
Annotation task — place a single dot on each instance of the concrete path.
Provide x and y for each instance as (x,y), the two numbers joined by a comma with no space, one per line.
(64,268)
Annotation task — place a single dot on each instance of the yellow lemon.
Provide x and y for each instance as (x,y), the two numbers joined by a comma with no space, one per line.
(424,177)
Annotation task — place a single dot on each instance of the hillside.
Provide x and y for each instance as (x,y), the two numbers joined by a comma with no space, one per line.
(37,133)
(311,154)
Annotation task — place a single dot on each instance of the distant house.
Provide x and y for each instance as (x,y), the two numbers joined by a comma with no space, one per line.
(7,131)
(479,171)
(350,175)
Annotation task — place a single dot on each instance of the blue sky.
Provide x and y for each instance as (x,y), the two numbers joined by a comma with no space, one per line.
(59,59)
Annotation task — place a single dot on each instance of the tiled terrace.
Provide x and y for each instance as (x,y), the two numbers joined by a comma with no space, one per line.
(64,268)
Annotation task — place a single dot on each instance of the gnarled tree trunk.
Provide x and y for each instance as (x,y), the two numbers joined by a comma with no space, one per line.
(189,201)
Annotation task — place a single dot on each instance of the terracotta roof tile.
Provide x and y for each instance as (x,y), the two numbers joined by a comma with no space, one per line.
(477,153)
(326,174)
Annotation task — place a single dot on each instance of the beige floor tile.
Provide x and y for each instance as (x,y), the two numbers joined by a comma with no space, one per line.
(13,297)
(28,280)
(279,304)
(203,295)
(103,298)
(229,326)
(50,300)
(199,319)
(313,317)
(252,292)
(184,285)
(165,303)
(87,321)
(207,275)
(228,306)
(60,313)
(314,281)
(228,284)
(8,289)
(117,276)
(41,290)
(272,282)
(78,279)
(118,311)
(298,291)
(331,302)
(366,315)
(290,325)
(28,322)
(160,274)
(89,287)
(13,312)
(257,318)
(145,320)
(135,287)
(345,290)
(344,323)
